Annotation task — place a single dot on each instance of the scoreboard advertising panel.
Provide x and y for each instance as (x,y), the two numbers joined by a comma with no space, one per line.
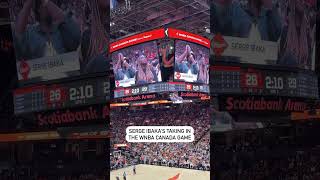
(160,60)
(59,39)
(73,116)
(277,33)
(253,104)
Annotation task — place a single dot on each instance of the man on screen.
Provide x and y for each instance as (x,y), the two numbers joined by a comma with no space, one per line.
(122,69)
(186,62)
(230,19)
(167,61)
(203,75)
(54,33)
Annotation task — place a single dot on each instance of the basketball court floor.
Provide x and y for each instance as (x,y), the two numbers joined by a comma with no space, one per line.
(148,172)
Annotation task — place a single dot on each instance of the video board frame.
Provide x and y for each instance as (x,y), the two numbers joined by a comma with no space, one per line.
(246,42)
(158,34)
(69,50)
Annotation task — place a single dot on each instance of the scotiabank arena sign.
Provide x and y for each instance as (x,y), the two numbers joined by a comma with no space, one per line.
(73,117)
(261,104)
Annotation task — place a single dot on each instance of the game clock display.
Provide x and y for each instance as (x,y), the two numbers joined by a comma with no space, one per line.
(253,81)
(60,96)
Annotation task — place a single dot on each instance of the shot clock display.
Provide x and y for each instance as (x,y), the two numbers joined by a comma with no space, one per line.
(67,95)
(240,80)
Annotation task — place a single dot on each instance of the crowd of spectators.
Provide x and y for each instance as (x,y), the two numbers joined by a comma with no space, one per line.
(183,155)
(263,154)
(58,161)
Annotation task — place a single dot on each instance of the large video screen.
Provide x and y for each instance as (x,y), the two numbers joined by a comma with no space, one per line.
(265,32)
(56,39)
(191,62)
(137,65)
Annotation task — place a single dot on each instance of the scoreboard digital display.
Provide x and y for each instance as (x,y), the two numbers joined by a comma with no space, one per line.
(164,60)
(60,96)
(161,87)
(242,80)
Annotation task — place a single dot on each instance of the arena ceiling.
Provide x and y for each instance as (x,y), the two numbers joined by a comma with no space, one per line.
(142,15)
